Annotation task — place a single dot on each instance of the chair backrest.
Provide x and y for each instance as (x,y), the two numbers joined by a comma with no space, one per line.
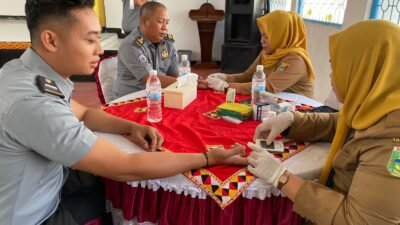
(105,75)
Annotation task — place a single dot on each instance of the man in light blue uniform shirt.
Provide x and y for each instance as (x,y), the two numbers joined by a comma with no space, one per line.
(131,14)
(148,47)
(39,135)
(43,131)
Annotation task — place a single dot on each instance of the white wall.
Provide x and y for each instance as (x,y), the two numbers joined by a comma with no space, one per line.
(12,7)
(14,31)
(185,30)
(113,10)
(318,40)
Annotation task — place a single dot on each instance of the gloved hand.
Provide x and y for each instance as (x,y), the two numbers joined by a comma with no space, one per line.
(216,84)
(274,126)
(221,76)
(264,165)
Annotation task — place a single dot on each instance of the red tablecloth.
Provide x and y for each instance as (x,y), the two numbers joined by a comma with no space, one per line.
(190,130)
(194,130)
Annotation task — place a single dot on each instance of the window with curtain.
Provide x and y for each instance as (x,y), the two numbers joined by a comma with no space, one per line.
(329,12)
(387,10)
(280,5)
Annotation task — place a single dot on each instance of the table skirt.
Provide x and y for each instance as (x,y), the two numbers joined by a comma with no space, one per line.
(140,205)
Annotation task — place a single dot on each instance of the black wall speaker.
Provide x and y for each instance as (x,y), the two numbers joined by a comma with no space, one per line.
(242,37)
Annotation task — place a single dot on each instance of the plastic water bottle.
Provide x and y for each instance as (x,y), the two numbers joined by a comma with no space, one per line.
(257,84)
(153,90)
(184,66)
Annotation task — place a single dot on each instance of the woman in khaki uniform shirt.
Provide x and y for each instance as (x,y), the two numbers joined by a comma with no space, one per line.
(365,151)
(287,65)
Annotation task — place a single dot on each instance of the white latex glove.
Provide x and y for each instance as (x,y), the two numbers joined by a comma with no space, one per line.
(221,76)
(216,84)
(264,165)
(274,126)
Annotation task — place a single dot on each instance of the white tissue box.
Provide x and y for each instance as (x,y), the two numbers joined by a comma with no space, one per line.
(179,98)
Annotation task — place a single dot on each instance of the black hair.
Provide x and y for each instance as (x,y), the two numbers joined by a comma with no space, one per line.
(40,11)
(149,8)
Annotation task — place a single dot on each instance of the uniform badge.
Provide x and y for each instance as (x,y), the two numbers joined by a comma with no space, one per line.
(47,85)
(169,37)
(283,67)
(139,41)
(393,165)
(164,54)
(142,59)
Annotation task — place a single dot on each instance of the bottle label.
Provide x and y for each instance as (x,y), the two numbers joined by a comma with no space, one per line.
(184,71)
(154,95)
(259,88)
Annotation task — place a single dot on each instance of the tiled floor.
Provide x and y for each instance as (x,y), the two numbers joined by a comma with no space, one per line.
(86,92)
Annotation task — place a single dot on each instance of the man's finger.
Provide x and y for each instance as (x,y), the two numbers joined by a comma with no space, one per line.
(153,140)
(236,150)
(238,160)
(160,140)
(141,142)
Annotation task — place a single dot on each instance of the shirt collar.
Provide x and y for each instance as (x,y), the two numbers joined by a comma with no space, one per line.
(37,65)
(148,42)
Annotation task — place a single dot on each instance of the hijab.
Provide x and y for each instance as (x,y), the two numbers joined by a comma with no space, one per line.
(286,34)
(366,72)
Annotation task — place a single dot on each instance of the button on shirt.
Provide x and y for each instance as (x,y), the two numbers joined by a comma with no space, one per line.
(137,58)
(39,135)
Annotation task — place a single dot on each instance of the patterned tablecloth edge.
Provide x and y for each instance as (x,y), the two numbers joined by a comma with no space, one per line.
(14,45)
(258,189)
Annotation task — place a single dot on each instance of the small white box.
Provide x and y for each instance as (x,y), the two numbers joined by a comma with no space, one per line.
(179,98)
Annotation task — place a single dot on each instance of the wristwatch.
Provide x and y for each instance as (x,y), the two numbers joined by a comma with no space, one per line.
(283,179)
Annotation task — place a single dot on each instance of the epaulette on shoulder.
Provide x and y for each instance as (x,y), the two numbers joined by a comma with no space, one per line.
(139,41)
(169,37)
(49,86)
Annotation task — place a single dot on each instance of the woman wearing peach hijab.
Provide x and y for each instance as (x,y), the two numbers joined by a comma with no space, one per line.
(287,65)
(365,152)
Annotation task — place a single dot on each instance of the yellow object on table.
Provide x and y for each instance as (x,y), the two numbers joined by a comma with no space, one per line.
(235,110)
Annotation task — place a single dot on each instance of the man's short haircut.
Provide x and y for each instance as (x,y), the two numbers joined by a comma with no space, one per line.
(148,9)
(39,12)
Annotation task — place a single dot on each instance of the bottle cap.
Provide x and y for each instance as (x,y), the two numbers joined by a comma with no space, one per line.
(260,67)
(184,57)
(153,72)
